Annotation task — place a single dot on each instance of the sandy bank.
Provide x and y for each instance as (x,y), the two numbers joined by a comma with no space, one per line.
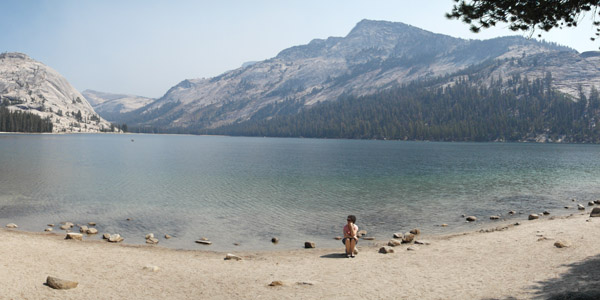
(520,262)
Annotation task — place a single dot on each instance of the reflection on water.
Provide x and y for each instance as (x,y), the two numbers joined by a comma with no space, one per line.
(247,190)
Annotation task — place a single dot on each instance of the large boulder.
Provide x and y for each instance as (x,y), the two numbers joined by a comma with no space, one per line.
(60,284)
(595,212)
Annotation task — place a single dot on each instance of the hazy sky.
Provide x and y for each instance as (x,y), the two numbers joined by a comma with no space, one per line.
(144,47)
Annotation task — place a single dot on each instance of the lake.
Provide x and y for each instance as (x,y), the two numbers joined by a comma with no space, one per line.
(248,190)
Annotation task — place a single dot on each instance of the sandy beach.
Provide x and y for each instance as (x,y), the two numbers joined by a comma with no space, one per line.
(513,262)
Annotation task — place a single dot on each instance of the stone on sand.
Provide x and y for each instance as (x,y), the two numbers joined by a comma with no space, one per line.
(533,216)
(74,236)
(60,284)
(106,236)
(361,233)
(310,245)
(386,250)
(591,203)
(230,256)
(415,231)
(562,244)
(421,242)
(595,212)
(580,207)
(398,235)
(152,268)
(167,236)
(276,283)
(11,225)
(115,238)
(408,237)
(152,241)
(204,242)
(48,229)
(394,243)
(494,217)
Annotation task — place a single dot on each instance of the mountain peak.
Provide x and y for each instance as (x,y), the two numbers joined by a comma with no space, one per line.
(14,55)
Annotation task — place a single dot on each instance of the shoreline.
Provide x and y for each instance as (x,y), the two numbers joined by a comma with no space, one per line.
(500,261)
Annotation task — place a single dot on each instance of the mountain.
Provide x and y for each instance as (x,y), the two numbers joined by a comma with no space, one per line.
(27,85)
(112,106)
(374,56)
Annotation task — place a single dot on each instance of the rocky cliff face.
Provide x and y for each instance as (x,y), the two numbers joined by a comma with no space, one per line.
(374,56)
(110,106)
(28,85)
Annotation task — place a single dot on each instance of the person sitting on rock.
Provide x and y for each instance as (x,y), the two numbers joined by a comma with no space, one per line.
(350,239)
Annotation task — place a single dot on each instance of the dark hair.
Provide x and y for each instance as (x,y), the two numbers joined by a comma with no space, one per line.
(353,218)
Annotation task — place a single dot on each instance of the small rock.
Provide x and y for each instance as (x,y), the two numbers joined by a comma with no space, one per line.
(595,212)
(518,223)
(92,231)
(51,225)
(386,250)
(115,238)
(420,242)
(361,233)
(337,238)
(74,236)
(394,243)
(567,207)
(398,235)
(203,239)
(106,236)
(580,207)
(471,218)
(533,216)
(444,225)
(70,224)
(597,201)
(368,238)
(150,236)
(415,231)
(152,268)
(204,242)
(65,227)
(408,237)
(236,244)
(542,239)
(591,203)
(355,250)
(152,241)
(562,244)
(304,283)
(128,219)
(92,223)
(411,248)
(230,256)
(494,217)
(546,213)
(60,284)
(274,240)
(512,212)
(167,236)
(276,283)
(48,229)
(11,225)
(83,229)
(309,245)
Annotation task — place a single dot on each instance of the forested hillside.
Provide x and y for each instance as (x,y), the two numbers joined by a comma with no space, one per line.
(514,109)
(18,121)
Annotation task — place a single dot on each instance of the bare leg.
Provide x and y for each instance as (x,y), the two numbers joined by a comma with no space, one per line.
(352,246)
(348,243)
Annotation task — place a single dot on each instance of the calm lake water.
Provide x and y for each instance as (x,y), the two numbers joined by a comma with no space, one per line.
(247,190)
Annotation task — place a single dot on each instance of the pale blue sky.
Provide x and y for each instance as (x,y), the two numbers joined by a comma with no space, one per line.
(144,47)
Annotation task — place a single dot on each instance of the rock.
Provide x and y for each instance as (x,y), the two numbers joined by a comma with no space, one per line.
(106,236)
(236,244)
(361,233)
(48,229)
(51,225)
(533,216)
(152,241)
(518,223)
(150,236)
(74,236)
(415,231)
(92,223)
(595,212)
(11,225)
(129,219)
(276,283)
(408,237)
(60,284)
(274,240)
(394,243)
(512,212)
(398,235)
(92,231)
(304,283)
(562,244)
(494,217)
(545,213)
(580,207)
(591,203)
(167,236)
(67,224)
(152,268)
(65,227)
(83,229)
(203,239)
(567,207)
(421,242)
(444,225)
(115,238)
(309,245)
(230,256)
(386,250)
(355,250)
(597,201)
(411,248)
(368,238)
(204,242)
(337,238)
(471,218)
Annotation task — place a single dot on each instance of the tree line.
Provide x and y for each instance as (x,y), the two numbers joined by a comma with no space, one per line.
(18,121)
